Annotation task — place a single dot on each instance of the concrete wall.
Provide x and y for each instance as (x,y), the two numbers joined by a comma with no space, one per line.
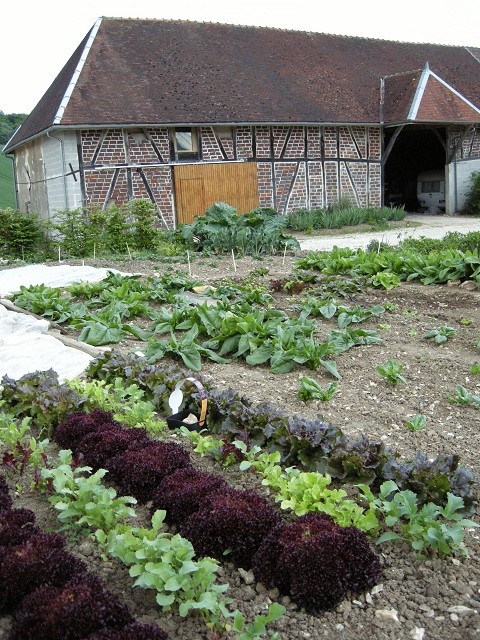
(458,184)
(60,158)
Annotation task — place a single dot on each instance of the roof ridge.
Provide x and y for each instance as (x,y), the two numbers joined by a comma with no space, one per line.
(283,29)
(404,73)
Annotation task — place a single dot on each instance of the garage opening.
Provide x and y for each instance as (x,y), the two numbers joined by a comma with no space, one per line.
(416,150)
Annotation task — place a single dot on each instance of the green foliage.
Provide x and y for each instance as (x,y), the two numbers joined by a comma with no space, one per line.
(127,403)
(416,423)
(145,233)
(463,396)
(7,183)
(475,369)
(391,372)
(385,280)
(342,214)
(429,528)
(22,234)
(440,334)
(9,123)
(19,448)
(221,230)
(82,500)
(257,628)
(472,203)
(311,390)
(166,563)
(40,396)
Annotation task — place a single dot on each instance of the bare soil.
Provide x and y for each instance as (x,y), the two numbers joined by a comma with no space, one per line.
(430,600)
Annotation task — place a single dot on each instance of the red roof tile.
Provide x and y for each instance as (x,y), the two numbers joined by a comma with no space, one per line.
(141,72)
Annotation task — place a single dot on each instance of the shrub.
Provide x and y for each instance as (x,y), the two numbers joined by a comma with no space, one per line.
(139,471)
(316,561)
(78,424)
(41,559)
(183,492)
(135,631)
(232,523)
(21,234)
(71,612)
(102,444)
(16,526)
(472,203)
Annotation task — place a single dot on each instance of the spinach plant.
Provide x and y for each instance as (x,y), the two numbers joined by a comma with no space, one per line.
(440,334)
(391,372)
(311,390)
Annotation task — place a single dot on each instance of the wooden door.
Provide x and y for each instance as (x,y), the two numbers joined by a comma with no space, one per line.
(197,186)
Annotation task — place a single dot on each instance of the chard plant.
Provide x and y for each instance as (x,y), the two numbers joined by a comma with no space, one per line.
(311,390)
(464,397)
(391,372)
(416,423)
(440,334)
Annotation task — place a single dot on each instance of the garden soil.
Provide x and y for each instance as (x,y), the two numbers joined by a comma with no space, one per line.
(433,599)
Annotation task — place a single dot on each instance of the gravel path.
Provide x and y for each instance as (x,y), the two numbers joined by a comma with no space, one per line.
(424,225)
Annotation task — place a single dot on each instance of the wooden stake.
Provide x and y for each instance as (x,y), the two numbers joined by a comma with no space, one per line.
(284,255)
(59,260)
(234,263)
(189,265)
(94,250)
(128,249)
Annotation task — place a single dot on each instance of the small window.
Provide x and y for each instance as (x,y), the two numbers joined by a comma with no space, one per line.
(225,133)
(431,186)
(185,144)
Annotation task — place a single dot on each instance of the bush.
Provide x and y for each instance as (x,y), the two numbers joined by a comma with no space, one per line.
(472,203)
(231,523)
(22,234)
(138,472)
(41,559)
(16,526)
(102,444)
(72,612)
(316,562)
(220,230)
(183,492)
(78,424)
(339,215)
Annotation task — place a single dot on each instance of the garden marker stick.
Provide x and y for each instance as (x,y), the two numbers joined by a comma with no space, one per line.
(94,248)
(59,260)
(189,265)
(128,249)
(284,255)
(234,263)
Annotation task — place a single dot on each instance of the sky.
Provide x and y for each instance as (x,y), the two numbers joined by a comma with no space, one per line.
(36,39)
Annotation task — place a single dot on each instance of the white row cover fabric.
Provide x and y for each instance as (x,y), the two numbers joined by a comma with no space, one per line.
(25,346)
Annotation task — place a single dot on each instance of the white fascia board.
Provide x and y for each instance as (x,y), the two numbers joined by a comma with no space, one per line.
(417,99)
(76,73)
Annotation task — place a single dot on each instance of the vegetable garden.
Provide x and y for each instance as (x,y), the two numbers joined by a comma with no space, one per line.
(332,493)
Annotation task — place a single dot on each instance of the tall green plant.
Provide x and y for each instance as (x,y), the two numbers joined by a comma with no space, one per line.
(472,204)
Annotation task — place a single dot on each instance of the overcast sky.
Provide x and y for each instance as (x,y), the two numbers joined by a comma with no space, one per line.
(36,39)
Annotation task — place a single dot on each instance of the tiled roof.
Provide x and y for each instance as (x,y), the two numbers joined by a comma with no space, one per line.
(141,72)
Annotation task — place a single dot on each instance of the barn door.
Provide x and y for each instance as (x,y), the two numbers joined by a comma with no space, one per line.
(197,186)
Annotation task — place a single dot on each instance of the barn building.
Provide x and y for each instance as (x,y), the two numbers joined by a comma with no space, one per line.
(188,113)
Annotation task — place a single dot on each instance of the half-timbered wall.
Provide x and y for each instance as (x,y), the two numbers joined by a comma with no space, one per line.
(466,160)
(297,166)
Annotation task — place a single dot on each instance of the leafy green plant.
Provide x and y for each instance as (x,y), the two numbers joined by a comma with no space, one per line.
(82,501)
(391,372)
(475,369)
(440,334)
(257,628)
(385,280)
(311,390)
(416,423)
(429,528)
(463,396)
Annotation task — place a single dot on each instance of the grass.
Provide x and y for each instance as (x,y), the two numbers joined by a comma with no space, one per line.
(7,188)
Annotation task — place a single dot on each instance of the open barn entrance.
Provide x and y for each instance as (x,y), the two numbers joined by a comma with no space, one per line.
(415,150)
